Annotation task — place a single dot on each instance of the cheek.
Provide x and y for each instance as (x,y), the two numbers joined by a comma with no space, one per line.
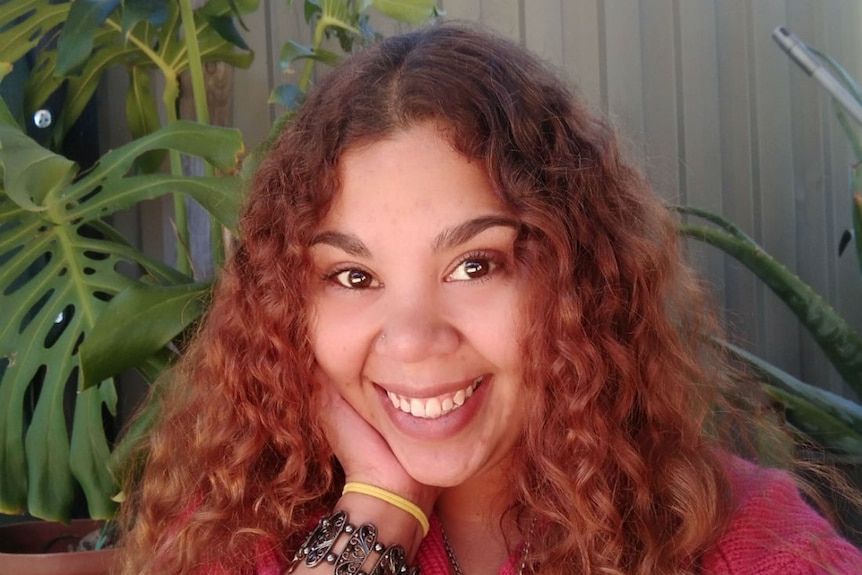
(493,322)
(337,342)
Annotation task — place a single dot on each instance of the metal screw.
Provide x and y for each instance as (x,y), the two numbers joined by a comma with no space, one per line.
(42,118)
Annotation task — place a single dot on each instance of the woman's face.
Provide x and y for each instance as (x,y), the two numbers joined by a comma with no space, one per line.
(417,306)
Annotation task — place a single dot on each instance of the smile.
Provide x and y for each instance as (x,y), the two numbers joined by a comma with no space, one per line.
(434,407)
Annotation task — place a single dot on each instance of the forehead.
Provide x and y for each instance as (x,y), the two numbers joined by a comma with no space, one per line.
(411,175)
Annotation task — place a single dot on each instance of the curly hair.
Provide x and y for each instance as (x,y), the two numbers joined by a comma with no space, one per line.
(620,465)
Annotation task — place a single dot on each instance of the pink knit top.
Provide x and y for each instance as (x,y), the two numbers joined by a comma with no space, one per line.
(771,532)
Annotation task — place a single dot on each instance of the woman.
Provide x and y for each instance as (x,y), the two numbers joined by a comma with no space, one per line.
(453,299)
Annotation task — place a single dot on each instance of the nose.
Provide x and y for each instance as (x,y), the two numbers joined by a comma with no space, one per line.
(416,327)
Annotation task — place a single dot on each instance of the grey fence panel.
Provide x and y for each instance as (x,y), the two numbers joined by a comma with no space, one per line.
(715,113)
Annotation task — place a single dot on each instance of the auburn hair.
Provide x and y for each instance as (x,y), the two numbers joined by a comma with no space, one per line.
(620,466)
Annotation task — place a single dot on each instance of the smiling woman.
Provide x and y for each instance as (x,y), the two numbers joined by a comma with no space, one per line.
(417,315)
(458,335)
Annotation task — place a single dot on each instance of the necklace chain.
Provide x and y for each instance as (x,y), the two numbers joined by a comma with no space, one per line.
(453,561)
(456,567)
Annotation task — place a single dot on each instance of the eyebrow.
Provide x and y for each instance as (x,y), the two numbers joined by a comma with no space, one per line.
(447,239)
(457,235)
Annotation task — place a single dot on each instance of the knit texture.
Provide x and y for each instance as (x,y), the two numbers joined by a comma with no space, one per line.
(772,531)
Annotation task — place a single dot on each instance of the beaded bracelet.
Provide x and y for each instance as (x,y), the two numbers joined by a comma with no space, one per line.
(362,542)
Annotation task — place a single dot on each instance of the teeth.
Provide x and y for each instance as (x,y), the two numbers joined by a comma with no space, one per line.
(459,398)
(433,407)
(417,407)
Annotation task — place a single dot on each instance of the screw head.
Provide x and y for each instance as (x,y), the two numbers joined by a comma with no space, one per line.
(42,118)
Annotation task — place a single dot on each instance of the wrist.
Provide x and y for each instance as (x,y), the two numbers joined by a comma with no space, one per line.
(391,498)
(422,496)
(394,525)
(350,547)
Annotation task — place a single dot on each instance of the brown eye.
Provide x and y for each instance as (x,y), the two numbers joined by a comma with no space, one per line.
(471,269)
(355,279)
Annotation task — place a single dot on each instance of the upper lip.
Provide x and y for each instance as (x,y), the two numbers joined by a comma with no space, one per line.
(423,391)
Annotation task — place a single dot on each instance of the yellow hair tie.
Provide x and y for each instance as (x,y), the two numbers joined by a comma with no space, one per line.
(390,498)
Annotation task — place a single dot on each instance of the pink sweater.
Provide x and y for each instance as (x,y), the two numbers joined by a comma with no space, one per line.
(772,532)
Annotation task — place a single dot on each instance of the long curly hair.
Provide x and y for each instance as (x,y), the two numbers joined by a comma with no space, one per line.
(620,466)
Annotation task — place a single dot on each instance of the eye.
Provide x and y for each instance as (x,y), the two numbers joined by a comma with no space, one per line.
(473,267)
(353,278)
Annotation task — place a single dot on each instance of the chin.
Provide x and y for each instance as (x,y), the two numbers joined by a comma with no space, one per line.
(436,473)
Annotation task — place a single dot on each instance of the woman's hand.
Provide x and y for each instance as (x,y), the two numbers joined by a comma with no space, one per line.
(364,454)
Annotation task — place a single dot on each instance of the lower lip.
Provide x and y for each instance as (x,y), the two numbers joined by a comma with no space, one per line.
(440,427)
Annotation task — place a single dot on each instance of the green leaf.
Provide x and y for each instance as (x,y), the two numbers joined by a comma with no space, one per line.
(59,268)
(31,172)
(334,14)
(33,19)
(49,477)
(213,46)
(220,147)
(6,117)
(845,78)
(137,323)
(409,11)
(219,195)
(857,225)
(143,115)
(109,50)
(153,11)
(89,453)
(838,340)
(822,427)
(5,69)
(126,455)
(310,9)
(840,408)
(226,28)
(291,51)
(288,95)
(76,39)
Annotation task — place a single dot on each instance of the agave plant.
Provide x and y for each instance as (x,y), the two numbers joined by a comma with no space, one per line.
(828,419)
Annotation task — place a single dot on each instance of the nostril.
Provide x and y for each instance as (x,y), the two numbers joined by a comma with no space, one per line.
(412,340)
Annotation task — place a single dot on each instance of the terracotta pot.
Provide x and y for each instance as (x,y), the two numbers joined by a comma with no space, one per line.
(39,548)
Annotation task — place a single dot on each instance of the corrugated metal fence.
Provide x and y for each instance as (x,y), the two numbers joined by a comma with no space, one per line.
(717,115)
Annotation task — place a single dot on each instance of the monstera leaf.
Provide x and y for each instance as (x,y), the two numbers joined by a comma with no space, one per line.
(61,265)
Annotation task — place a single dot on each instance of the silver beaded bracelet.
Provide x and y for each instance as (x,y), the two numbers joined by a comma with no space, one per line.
(362,542)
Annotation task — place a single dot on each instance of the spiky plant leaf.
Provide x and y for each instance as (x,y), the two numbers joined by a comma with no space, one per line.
(857,226)
(841,344)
